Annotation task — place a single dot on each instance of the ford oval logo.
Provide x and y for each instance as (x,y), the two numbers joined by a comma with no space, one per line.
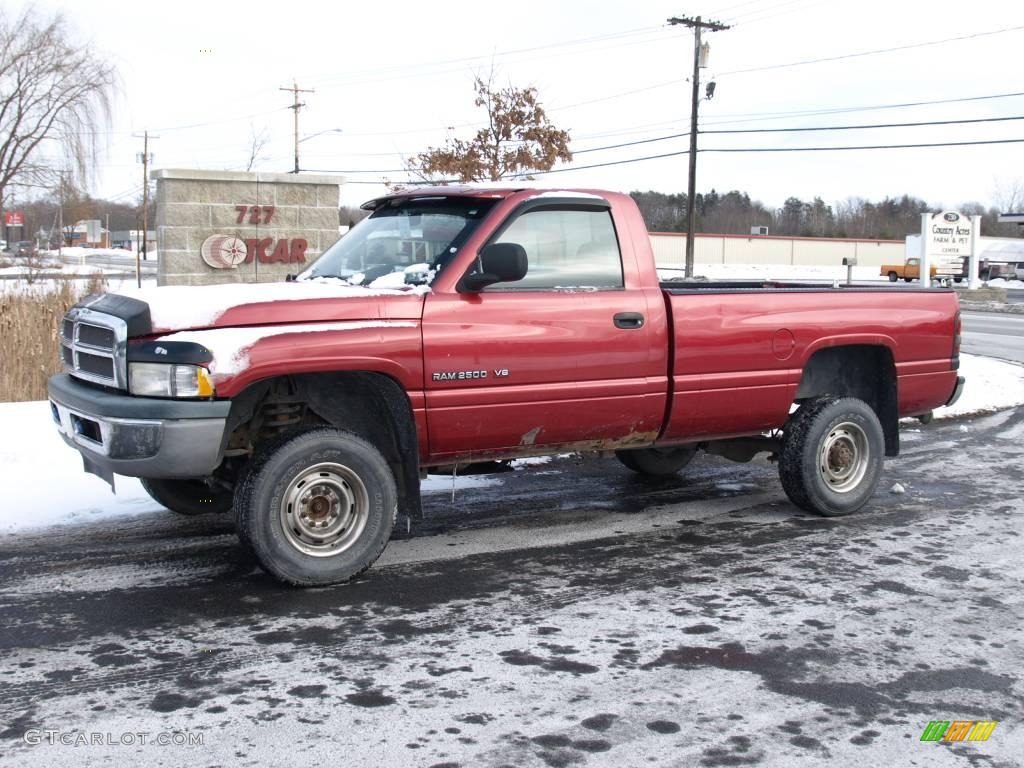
(951,216)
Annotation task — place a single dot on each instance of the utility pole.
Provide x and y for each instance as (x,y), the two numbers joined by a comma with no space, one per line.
(295,107)
(697,24)
(146,158)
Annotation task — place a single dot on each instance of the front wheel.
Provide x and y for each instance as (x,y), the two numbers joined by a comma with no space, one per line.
(656,462)
(831,458)
(317,507)
(907,279)
(187,497)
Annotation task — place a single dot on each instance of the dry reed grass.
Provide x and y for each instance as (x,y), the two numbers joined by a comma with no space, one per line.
(29,343)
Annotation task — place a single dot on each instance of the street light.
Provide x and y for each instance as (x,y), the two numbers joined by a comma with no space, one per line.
(320,133)
(307,138)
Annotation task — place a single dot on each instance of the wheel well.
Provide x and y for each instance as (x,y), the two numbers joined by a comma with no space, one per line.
(866,372)
(370,405)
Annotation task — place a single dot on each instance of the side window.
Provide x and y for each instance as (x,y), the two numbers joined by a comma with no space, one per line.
(566,249)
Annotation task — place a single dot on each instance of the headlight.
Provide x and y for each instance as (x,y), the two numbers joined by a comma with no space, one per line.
(163,380)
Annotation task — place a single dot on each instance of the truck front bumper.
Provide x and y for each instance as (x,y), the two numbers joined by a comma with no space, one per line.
(138,436)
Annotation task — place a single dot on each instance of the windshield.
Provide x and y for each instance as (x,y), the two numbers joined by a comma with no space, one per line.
(416,236)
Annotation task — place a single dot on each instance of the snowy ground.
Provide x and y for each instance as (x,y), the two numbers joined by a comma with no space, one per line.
(29,499)
(1000,282)
(580,616)
(27,492)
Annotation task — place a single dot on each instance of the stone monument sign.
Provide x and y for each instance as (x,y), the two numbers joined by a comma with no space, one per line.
(240,227)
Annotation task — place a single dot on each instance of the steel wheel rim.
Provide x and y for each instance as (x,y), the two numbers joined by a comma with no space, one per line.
(324,509)
(843,458)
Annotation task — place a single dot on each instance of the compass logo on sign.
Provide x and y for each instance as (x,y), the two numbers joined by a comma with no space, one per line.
(223,251)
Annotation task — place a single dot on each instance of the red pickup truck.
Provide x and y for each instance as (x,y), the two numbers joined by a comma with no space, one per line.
(460,324)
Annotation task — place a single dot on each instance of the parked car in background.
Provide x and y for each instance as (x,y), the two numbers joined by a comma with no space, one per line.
(25,248)
(1019,270)
(911,270)
(990,270)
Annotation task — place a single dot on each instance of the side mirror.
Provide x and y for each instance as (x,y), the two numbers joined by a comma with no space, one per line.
(500,263)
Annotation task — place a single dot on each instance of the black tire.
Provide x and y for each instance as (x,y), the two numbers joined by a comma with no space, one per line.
(907,279)
(831,458)
(958,279)
(893,277)
(323,476)
(187,497)
(657,462)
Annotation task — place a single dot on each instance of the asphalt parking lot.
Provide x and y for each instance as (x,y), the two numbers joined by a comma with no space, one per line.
(567,614)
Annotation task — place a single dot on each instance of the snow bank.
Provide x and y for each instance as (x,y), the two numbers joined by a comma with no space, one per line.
(80,253)
(42,482)
(991,386)
(41,478)
(1002,282)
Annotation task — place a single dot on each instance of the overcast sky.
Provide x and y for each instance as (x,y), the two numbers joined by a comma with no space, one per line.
(395,76)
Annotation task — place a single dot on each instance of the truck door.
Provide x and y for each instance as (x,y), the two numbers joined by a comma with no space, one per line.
(559,358)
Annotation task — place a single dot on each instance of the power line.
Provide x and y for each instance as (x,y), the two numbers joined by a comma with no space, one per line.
(725,149)
(758,116)
(872,52)
(770,149)
(376,75)
(601,165)
(861,127)
(802,129)
(874,146)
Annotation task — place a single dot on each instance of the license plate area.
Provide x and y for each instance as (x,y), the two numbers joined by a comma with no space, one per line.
(93,468)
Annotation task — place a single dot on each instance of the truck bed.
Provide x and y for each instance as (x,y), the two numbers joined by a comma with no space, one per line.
(740,348)
(681,287)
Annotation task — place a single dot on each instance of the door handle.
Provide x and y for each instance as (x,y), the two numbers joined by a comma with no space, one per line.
(628,321)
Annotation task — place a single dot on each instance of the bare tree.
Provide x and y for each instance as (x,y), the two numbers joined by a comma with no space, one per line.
(1009,196)
(257,143)
(55,98)
(517,139)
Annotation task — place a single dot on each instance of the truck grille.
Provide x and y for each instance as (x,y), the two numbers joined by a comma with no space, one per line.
(93,347)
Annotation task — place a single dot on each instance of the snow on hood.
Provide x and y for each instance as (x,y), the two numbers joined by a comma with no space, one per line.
(230,346)
(174,307)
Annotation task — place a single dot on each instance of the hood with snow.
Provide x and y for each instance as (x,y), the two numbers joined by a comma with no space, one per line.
(185,308)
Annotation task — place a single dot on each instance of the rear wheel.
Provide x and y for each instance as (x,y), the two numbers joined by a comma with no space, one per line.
(657,462)
(317,507)
(187,497)
(831,458)
(893,277)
